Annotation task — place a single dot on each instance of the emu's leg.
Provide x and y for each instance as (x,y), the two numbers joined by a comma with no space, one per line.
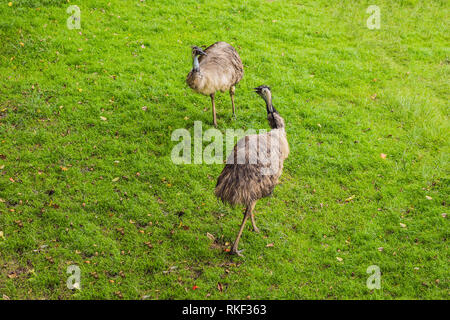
(247,214)
(213,109)
(232,91)
(255,228)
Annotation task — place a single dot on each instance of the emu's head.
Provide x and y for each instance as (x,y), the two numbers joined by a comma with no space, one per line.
(265,93)
(275,120)
(197,51)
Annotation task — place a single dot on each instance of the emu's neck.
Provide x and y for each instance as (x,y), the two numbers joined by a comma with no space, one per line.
(269,105)
(274,118)
(195,64)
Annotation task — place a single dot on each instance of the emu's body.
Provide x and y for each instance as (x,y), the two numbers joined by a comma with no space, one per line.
(251,173)
(244,183)
(218,68)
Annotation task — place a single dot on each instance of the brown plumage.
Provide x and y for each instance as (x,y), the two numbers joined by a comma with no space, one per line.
(217,68)
(254,166)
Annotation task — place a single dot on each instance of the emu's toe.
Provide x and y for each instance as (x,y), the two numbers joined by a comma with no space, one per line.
(237,252)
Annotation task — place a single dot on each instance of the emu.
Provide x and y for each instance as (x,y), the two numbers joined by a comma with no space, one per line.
(254,166)
(218,68)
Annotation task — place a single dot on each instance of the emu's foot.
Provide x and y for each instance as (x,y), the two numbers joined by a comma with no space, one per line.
(237,252)
(234,116)
(255,229)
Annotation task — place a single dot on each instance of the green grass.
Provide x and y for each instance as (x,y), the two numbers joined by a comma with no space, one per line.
(61,203)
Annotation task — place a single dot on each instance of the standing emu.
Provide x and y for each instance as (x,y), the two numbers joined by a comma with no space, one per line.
(254,166)
(218,68)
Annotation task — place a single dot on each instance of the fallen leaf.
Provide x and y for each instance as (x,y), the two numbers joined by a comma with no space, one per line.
(170,269)
(339,259)
(148,244)
(383,156)
(194,287)
(269,245)
(210,236)
(429,198)
(380,249)
(350,198)
(103,118)
(402,225)
(5,297)
(115,179)
(219,286)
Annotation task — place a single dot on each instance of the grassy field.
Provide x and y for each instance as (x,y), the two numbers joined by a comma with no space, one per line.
(86,177)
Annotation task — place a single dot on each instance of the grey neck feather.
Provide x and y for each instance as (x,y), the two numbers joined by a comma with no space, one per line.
(195,64)
(269,104)
(275,120)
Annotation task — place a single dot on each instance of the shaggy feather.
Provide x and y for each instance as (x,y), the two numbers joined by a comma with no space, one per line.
(254,166)
(219,70)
